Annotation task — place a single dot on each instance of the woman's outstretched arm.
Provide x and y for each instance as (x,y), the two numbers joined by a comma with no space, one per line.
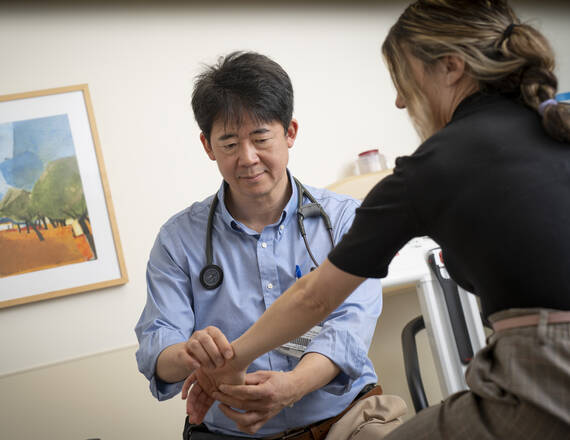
(310,300)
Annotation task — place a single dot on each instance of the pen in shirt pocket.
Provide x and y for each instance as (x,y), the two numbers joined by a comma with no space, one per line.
(298,273)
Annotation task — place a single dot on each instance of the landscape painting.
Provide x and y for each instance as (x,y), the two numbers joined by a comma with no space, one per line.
(44,220)
(58,234)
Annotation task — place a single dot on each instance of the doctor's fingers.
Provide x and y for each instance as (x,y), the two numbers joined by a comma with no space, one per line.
(243,392)
(267,386)
(257,386)
(210,347)
(252,429)
(242,404)
(200,356)
(250,421)
(224,346)
(260,376)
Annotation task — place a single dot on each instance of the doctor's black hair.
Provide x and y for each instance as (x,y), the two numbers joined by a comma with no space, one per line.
(239,84)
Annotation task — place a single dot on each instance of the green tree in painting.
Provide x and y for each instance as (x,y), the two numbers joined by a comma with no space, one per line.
(18,206)
(58,194)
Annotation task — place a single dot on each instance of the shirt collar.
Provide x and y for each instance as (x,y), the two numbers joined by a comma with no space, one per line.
(288,212)
(291,207)
(477,101)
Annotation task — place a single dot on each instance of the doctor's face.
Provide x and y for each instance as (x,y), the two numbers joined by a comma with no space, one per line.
(252,157)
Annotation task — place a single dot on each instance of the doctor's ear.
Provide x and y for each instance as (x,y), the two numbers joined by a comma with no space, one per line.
(292,131)
(207,146)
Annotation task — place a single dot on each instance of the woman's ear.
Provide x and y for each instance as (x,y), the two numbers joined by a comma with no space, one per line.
(454,69)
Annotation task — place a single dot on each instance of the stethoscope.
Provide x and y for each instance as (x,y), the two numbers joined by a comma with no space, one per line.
(212,275)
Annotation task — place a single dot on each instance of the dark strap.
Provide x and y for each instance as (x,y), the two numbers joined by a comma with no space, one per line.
(201,432)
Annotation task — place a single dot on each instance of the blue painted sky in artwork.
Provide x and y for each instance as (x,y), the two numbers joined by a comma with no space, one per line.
(26,147)
(4,187)
(22,170)
(6,141)
(50,138)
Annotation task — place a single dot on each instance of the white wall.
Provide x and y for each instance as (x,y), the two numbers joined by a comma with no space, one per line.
(139,65)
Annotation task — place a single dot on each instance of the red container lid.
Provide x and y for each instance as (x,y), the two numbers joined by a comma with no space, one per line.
(367,152)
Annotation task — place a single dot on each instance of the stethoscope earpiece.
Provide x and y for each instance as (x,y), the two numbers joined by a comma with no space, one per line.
(211,276)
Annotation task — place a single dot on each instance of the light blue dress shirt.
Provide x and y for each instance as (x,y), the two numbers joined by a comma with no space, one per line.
(257,269)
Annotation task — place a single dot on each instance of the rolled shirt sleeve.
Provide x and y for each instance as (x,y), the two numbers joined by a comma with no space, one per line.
(166,319)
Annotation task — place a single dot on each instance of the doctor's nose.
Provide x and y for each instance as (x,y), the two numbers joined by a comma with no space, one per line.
(247,154)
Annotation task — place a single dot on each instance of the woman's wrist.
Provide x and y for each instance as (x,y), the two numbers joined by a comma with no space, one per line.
(240,361)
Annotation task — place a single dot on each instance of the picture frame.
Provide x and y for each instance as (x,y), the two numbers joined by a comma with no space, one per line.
(58,234)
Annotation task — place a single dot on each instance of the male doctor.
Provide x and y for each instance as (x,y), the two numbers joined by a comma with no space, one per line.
(249,227)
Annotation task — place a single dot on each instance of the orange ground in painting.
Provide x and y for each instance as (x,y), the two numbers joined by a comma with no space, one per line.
(21,252)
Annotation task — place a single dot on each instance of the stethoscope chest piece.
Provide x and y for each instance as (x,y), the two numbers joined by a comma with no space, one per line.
(211,276)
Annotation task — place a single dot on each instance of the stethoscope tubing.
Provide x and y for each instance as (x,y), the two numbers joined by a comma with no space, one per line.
(212,275)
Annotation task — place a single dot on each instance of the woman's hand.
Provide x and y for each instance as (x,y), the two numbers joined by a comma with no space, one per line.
(198,401)
(205,382)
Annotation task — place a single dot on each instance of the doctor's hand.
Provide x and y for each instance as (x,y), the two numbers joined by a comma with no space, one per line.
(208,348)
(263,396)
(199,387)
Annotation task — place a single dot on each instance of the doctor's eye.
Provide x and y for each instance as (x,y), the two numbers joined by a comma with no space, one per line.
(262,142)
(229,147)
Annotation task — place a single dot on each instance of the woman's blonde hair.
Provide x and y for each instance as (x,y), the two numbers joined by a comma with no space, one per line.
(502,54)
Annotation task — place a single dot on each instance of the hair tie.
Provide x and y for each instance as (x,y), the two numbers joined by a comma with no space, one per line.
(507,33)
(553,101)
(544,104)
(508,30)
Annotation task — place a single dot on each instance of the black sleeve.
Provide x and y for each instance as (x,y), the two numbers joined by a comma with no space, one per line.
(383,224)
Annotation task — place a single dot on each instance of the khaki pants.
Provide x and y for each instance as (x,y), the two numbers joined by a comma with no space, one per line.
(370,418)
(519,389)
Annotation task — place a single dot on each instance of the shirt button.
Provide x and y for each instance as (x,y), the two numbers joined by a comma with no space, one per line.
(263,245)
(269,286)
(281,227)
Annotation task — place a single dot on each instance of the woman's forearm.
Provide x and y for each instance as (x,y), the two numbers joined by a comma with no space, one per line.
(310,300)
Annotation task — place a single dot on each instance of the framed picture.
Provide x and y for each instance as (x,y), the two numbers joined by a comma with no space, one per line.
(58,234)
